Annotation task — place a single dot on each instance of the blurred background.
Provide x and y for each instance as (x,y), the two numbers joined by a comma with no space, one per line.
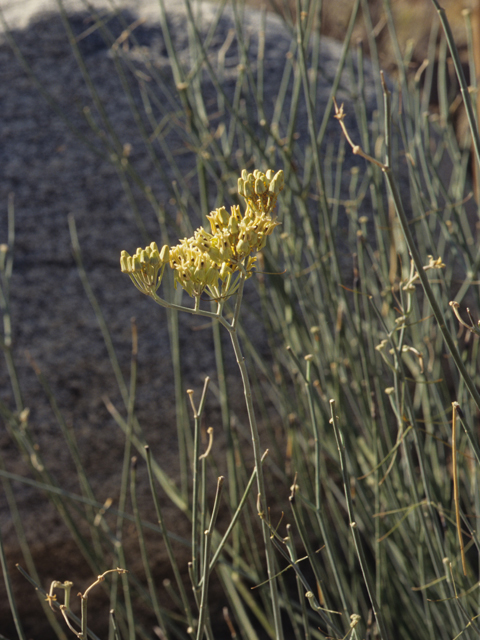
(413,21)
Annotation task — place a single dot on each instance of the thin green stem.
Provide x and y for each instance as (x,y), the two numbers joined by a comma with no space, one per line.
(353,526)
(461,78)
(171,555)
(206,563)
(143,549)
(428,289)
(233,521)
(196,472)
(195,311)
(6,265)
(8,585)
(258,466)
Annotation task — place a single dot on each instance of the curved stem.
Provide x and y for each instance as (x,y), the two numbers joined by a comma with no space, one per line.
(200,312)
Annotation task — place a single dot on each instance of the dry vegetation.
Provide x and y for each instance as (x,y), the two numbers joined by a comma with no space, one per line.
(413,21)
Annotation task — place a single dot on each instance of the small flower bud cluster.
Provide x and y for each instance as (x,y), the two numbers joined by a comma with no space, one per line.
(202,262)
(144,266)
(194,268)
(260,190)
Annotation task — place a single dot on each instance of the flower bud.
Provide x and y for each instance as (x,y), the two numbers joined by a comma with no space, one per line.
(200,276)
(248,190)
(124,261)
(242,246)
(136,264)
(165,253)
(277,184)
(211,276)
(155,260)
(260,187)
(225,251)
(223,215)
(233,225)
(225,270)
(215,254)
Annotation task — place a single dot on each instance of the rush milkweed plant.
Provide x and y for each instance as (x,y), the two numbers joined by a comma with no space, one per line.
(218,263)
(343,317)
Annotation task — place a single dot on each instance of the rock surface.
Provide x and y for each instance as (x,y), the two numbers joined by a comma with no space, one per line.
(52,174)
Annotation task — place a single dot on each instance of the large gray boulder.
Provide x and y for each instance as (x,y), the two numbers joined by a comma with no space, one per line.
(53,173)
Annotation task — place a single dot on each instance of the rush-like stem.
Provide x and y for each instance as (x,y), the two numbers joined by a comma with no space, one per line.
(417,260)
(232,329)
(353,526)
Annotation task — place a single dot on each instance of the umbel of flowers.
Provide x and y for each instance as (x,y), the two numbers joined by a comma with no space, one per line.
(213,261)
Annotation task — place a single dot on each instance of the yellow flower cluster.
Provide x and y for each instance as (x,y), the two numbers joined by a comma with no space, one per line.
(145,267)
(202,262)
(260,190)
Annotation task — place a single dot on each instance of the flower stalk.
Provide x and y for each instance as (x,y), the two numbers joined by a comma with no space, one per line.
(217,263)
